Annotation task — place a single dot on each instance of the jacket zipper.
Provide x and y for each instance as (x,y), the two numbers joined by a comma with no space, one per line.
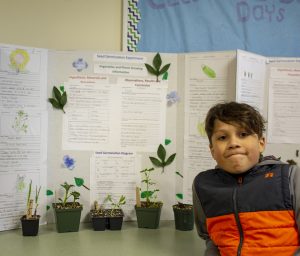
(236,215)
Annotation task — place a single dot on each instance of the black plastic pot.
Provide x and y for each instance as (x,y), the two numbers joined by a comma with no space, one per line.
(184,218)
(99,223)
(115,223)
(30,227)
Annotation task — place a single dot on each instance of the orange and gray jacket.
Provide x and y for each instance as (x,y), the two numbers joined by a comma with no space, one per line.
(255,213)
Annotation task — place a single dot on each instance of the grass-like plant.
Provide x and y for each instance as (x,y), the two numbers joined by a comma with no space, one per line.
(30,202)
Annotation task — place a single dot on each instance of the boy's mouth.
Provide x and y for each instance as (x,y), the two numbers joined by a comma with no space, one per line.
(234,154)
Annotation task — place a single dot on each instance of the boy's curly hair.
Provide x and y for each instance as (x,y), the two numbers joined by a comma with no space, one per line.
(235,113)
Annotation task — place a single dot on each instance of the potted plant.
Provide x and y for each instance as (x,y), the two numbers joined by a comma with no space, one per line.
(98,217)
(108,218)
(115,214)
(29,221)
(67,213)
(183,213)
(148,211)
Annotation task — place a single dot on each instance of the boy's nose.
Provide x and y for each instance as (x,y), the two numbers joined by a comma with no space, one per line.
(233,142)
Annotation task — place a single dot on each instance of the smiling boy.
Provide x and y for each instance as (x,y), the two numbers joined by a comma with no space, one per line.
(246,205)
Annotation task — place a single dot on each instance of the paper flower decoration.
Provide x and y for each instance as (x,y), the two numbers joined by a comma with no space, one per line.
(80,64)
(69,162)
(172,98)
(19,59)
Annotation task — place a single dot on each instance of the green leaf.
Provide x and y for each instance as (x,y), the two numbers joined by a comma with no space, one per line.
(165,76)
(157,61)
(179,195)
(146,194)
(54,103)
(47,207)
(155,161)
(49,192)
(62,88)
(75,194)
(63,99)
(150,69)
(78,181)
(56,93)
(164,69)
(170,159)
(167,141)
(161,153)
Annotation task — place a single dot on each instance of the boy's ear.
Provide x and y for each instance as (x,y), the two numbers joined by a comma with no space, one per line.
(212,150)
(262,144)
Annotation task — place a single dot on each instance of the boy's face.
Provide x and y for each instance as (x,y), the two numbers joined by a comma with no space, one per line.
(235,150)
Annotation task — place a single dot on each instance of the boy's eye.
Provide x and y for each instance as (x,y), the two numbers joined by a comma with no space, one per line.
(244,134)
(222,137)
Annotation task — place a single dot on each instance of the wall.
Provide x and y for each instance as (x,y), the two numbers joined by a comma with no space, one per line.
(62,24)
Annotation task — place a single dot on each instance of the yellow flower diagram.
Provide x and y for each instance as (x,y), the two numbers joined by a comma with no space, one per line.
(19,59)
(201,129)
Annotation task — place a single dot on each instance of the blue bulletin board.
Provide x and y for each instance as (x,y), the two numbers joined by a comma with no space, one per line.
(267,27)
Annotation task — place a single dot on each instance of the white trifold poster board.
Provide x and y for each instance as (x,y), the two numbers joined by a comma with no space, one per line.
(23,130)
(116,116)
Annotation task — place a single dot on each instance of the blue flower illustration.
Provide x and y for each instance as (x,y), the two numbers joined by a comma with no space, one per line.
(172,98)
(80,64)
(69,162)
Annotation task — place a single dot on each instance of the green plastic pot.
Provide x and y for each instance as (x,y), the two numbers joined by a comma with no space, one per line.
(148,217)
(67,220)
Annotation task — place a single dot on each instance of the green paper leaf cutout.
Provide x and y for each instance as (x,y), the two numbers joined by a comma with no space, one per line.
(47,207)
(161,153)
(62,88)
(167,141)
(208,71)
(170,159)
(179,196)
(165,76)
(155,161)
(79,181)
(49,192)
